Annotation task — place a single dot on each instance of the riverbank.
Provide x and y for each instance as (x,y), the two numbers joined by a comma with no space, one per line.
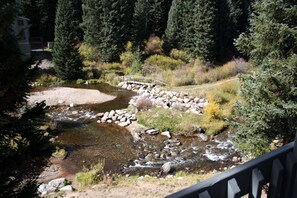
(69,96)
(140,186)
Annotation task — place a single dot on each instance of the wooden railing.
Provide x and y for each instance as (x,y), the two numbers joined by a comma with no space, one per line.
(275,170)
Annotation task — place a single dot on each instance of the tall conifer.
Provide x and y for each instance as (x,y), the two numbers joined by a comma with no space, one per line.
(68,63)
(173,32)
(270,110)
(205,29)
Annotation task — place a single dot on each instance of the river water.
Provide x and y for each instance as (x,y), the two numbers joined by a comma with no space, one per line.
(87,142)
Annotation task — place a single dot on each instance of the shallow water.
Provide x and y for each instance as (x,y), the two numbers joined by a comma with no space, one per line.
(87,142)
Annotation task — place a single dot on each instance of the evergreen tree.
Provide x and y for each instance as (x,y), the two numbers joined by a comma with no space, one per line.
(187,40)
(140,27)
(20,138)
(68,63)
(158,15)
(112,22)
(91,21)
(205,29)
(173,32)
(270,94)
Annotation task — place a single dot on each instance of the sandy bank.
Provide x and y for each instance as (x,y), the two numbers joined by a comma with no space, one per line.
(66,96)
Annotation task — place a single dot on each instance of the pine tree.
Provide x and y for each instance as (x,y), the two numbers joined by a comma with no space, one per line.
(68,63)
(112,24)
(20,137)
(91,21)
(187,41)
(205,29)
(270,94)
(140,27)
(173,32)
(158,16)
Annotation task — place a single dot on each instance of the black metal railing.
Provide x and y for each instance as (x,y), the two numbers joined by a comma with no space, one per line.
(275,170)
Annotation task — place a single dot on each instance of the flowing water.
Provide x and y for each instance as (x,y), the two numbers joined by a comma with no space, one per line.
(87,142)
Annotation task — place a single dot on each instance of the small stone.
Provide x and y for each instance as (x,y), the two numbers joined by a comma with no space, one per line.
(166,133)
(203,137)
(71,105)
(123,124)
(166,167)
(109,121)
(74,112)
(152,131)
(66,188)
(57,183)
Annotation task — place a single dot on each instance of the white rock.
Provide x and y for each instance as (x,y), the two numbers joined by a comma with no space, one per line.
(166,133)
(109,121)
(57,183)
(152,131)
(123,124)
(166,167)
(42,188)
(71,105)
(66,188)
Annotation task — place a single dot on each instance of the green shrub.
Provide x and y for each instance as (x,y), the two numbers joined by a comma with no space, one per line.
(213,110)
(214,126)
(180,55)
(112,78)
(163,62)
(91,176)
(153,46)
(89,54)
(92,72)
(111,66)
(80,81)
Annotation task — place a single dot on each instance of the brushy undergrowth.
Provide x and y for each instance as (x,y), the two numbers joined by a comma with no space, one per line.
(179,122)
(163,62)
(92,175)
(221,99)
(197,72)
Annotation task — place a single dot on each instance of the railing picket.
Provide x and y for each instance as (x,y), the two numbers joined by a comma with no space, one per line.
(276,180)
(291,166)
(204,194)
(233,189)
(257,183)
(295,145)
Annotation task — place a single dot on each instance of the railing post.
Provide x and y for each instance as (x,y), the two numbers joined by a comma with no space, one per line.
(257,183)
(295,145)
(291,166)
(204,194)
(233,189)
(276,180)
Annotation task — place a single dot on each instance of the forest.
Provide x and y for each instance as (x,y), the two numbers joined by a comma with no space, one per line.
(179,43)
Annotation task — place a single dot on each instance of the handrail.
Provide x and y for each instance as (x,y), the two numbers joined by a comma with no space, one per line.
(278,168)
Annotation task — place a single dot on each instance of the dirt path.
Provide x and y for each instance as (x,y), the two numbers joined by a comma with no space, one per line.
(139,187)
(67,96)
